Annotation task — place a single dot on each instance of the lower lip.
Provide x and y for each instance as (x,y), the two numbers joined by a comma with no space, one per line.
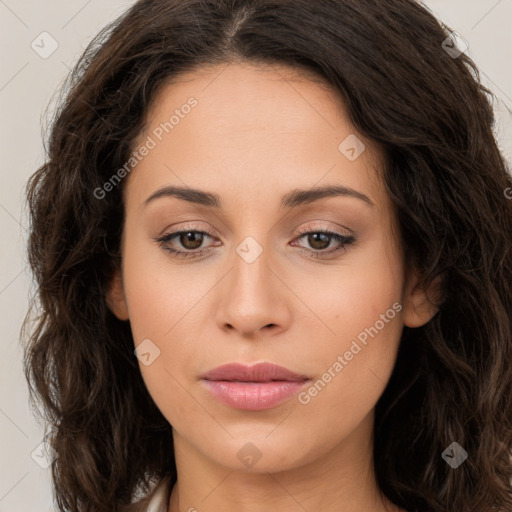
(253,396)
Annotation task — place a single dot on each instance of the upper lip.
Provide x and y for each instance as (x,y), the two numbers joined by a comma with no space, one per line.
(259,372)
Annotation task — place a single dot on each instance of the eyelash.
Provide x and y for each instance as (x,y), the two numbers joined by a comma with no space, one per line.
(344,240)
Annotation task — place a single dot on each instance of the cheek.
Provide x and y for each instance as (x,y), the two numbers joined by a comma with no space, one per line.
(160,320)
(161,295)
(353,295)
(362,308)
(353,370)
(165,302)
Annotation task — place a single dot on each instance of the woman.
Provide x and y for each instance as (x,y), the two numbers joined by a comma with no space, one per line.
(273,247)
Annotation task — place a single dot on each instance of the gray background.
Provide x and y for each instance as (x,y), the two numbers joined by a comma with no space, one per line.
(27,84)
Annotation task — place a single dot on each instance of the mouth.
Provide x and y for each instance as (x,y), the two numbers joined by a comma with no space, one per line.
(257,387)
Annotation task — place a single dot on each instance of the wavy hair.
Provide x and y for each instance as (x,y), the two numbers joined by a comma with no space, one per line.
(389,63)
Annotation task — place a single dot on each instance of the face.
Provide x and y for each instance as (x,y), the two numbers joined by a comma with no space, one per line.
(257,271)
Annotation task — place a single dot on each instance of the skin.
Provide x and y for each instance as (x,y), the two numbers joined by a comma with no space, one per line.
(256,134)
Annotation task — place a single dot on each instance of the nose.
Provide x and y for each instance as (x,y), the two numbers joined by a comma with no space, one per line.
(252,299)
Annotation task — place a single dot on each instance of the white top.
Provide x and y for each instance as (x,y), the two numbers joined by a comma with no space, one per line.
(156,501)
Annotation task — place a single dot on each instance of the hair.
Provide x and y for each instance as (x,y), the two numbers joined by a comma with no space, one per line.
(452,381)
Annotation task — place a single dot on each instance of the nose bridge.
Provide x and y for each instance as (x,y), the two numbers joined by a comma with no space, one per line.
(250,297)
(250,281)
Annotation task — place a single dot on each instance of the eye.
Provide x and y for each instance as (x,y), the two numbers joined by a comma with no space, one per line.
(189,239)
(320,240)
(189,242)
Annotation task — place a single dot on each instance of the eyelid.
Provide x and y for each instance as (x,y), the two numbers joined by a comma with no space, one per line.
(190,227)
(308,229)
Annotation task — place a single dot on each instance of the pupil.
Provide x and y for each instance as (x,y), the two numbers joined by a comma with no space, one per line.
(316,241)
(189,237)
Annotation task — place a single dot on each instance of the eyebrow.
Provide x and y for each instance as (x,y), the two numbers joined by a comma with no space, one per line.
(292,199)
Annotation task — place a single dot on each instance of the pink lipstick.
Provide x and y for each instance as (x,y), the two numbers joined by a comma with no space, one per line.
(253,388)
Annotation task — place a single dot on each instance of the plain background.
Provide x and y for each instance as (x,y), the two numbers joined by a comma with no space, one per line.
(27,84)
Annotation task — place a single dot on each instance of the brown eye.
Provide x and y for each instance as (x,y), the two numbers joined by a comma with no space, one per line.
(318,241)
(185,243)
(191,239)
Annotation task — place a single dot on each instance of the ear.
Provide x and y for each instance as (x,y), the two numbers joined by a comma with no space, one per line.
(116,300)
(420,305)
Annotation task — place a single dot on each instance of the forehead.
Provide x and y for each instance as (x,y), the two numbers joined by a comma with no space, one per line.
(251,128)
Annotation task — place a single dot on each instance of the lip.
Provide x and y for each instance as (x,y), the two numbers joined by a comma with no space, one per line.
(256,387)
(259,372)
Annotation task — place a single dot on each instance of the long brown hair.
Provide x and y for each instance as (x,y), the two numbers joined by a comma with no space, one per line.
(389,63)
